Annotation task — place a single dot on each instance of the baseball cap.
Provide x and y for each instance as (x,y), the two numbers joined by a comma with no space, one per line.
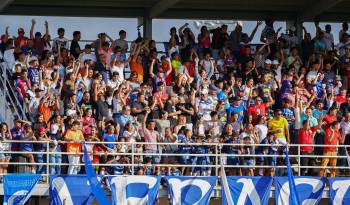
(268,61)
(41,130)
(205,91)
(33,58)
(237,98)
(38,90)
(20,30)
(275,62)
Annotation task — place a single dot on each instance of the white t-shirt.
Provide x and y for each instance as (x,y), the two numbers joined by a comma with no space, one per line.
(262,131)
(64,43)
(88,56)
(9,58)
(120,70)
(34,105)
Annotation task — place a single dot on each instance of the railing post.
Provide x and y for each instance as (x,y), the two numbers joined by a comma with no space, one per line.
(47,160)
(132,158)
(216,161)
(216,192)
(299,162)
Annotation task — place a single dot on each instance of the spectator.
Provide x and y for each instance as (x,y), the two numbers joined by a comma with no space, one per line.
(5,146)
(279,126)
(60,41)
(73,137)
(74,46)
(332,137)
(213,89)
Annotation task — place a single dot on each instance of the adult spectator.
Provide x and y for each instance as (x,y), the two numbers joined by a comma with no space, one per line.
(279,125)
(75,50)
(332,137)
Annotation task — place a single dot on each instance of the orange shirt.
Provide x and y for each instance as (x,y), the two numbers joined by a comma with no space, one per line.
(334,141)
(136,67)
(45,111)
(76,135)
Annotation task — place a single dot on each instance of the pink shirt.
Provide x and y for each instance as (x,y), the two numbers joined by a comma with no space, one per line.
(107,54)
(152,137)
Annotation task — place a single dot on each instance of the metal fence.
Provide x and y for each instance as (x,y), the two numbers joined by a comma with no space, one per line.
(215,154)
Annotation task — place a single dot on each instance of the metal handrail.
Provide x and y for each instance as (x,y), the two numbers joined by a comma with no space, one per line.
(11,93)
(214,164)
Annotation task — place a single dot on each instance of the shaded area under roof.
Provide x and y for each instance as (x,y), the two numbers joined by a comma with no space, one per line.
(295,10)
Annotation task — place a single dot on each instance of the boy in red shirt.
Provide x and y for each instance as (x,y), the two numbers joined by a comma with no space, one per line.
(332,137)
(306,136)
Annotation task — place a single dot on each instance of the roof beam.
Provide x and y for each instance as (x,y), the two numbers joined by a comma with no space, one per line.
(73,11)
(317,8)
(4,4)
(226,14)
(160,7)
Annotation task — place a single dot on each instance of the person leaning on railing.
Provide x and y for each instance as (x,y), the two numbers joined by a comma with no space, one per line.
(306,136)
(332,137)
(74,136)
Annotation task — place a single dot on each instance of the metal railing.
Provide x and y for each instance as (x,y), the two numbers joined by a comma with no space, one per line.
(11,104)
(215,156)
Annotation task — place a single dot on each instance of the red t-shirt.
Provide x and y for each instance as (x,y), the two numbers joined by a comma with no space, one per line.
(205,43)
(306,137)
(340,99)
(256,110)
(21,41)
(329,119)
(168,79)
(334,141)
(96,157)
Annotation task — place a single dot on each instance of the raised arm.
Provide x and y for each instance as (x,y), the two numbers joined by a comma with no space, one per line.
(32,29)
(182,28)
(46,36)
(151,68)
(145,118)
(170,67)
(258,23)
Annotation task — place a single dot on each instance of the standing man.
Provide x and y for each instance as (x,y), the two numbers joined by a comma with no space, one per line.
(150,136)
(279,125)
(122,43)
(332,137)
(74,46)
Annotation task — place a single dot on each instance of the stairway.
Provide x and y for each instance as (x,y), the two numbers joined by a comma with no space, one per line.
(10,106)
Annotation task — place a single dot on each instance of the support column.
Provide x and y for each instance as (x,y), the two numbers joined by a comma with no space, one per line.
(146,23)
(147,27)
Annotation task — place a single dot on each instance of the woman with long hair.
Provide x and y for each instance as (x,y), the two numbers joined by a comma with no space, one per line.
(5,135)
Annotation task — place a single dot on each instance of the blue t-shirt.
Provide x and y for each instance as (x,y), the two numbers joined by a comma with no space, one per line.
(236,109)
(33,74)
(184,139)
(109,138)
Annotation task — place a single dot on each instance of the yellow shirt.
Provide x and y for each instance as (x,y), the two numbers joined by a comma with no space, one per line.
(275,125)
(76,135)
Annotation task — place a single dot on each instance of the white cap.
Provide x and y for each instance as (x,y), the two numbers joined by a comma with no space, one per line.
(293,28)
(205,91)
(268,61)
(32,58)
(275,62)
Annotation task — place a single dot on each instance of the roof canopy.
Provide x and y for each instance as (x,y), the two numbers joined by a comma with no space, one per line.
(296,10)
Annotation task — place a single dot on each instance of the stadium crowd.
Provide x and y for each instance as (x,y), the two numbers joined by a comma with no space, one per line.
(216,87)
